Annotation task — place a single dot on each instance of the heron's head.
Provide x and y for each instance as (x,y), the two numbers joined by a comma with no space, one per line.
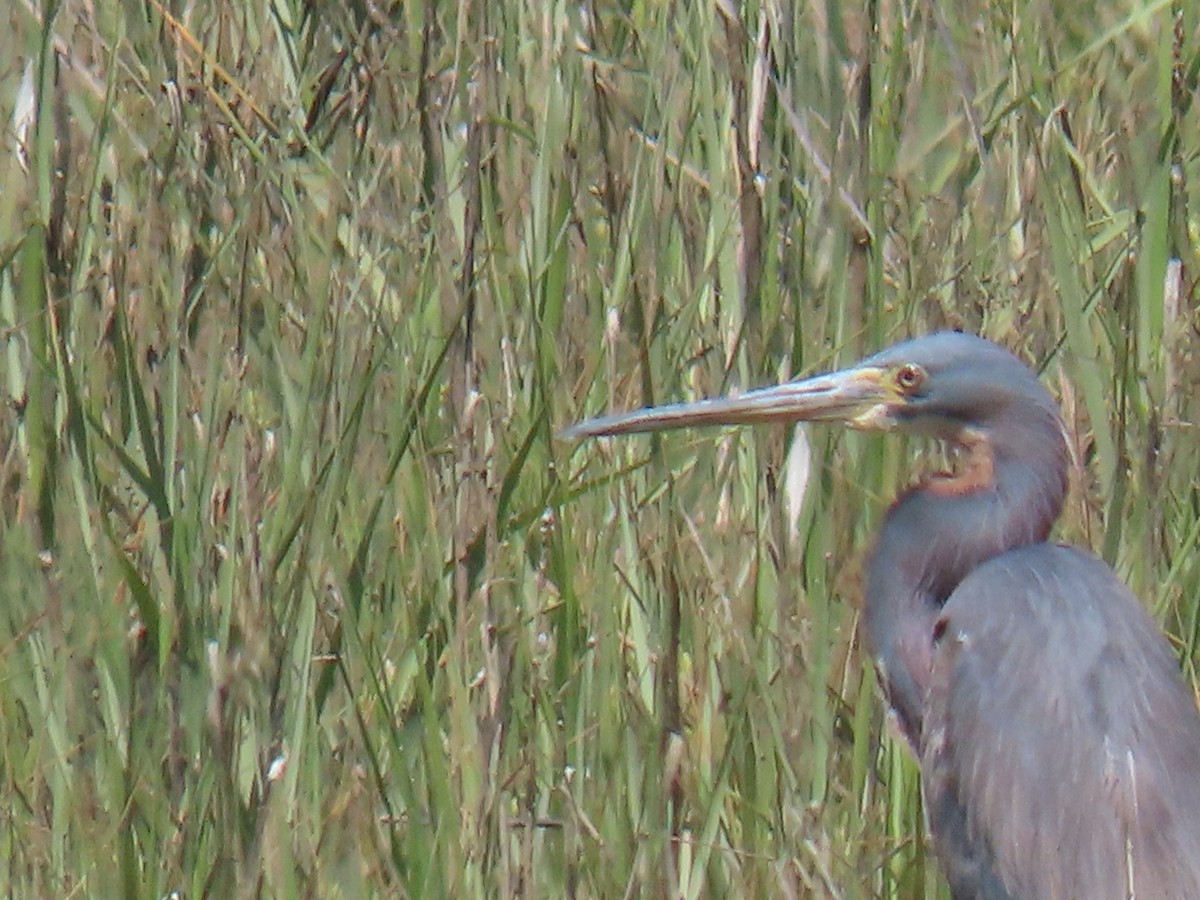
(957,387)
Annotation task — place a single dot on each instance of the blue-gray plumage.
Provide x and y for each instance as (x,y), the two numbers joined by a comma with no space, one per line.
(1059,746)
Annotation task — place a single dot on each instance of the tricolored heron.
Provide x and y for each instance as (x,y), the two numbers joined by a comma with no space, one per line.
(1058,743)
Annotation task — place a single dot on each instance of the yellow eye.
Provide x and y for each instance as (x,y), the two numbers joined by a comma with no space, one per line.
(910,377)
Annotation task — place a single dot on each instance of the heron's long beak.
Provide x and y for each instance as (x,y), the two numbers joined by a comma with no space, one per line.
(858,397)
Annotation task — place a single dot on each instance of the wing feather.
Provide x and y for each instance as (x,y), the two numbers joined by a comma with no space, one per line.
(1061,747)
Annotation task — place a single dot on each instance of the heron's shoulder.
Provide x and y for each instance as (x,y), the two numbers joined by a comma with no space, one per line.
(1053,593)
(1047,570)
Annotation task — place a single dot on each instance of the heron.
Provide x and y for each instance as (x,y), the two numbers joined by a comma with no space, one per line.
(1058,743)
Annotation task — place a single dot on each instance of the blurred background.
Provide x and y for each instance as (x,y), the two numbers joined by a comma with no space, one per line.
(301,595)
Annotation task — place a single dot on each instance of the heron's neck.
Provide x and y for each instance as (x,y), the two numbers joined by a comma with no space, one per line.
(1007,492)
